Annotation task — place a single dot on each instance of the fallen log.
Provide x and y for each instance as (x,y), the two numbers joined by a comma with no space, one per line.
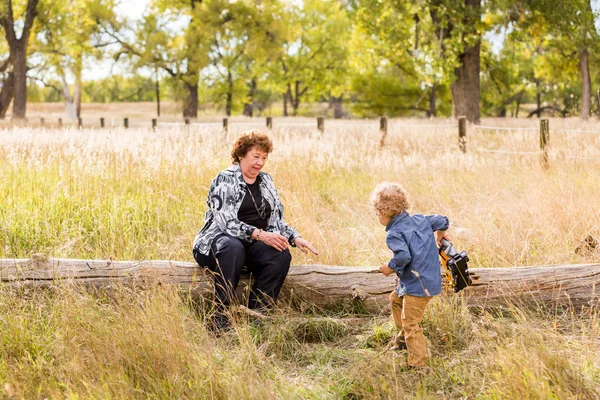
(320,285)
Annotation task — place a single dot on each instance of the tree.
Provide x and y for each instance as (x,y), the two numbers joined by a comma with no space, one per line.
(169,37)
(509,75)
(18,49)
(400,68)
(242,36)
(313,56)
(7,81)
(452,56)
(459,29)
(69,33)
(571,31)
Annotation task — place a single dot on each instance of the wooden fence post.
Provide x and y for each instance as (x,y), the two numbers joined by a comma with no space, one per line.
(42,122)
(462,134)
(60,122)
(383,128)
(269,123)
(79,123)
(154,123)
(321,124)
(187,121)
(102,122)
(544,140)
(126,122)
(225,125)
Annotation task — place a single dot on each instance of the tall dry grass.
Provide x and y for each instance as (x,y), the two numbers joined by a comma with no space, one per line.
(137,194)
(131,194)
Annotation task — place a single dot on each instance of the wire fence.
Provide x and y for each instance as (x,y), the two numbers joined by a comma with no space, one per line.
(320,125)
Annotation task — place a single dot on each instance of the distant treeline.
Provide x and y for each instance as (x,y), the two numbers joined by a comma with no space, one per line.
(108,90)
(363,57)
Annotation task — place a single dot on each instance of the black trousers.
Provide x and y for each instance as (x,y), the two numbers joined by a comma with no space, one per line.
(227,258)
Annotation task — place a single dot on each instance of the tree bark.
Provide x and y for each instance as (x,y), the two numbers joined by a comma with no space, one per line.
(157,88)
(70,109)
(296,98)
(249,107)
(320,285)
(432,100)
(6,94)
(19,61)
(190,106)
(229,102)
(78,85)
(586,84)
(285,103)
(338,108)
(18,52)
(466,89)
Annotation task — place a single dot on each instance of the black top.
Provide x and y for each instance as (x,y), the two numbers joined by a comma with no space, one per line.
(249,212)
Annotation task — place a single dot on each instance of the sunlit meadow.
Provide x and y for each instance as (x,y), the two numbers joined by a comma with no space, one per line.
(136,194)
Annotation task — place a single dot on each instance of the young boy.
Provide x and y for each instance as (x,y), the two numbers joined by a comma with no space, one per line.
(416,262)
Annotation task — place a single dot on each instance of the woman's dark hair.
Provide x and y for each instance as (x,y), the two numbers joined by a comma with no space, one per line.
(248,140)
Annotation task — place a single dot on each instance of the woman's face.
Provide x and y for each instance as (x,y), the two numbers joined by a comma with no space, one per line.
(252,162)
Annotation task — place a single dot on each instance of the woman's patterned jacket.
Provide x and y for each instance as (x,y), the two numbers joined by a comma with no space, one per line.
(225,197)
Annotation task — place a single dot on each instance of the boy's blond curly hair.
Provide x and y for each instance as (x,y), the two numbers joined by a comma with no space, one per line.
(389,199)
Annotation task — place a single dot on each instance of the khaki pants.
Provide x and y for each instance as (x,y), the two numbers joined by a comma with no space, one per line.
(408,313)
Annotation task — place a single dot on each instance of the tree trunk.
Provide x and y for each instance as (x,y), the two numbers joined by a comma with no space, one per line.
(466,88)
(249,107)
(338,109)
(190,107)
(432,100)
(586,84)
(18,51)
(320,285)
(157,90)
(229,102)
(285,103)
(296,98)
(78,85)
(20,75)
(70,109)
(6,94)
(538,100)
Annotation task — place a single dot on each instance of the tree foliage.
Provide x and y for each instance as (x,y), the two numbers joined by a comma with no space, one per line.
(393,57)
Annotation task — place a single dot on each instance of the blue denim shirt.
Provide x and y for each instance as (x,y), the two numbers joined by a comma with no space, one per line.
(416,259)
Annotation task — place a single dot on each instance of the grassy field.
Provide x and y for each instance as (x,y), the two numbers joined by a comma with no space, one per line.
(138,194)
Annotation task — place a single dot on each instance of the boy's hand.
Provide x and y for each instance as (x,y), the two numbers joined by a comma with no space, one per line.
(439,235)
(384,269)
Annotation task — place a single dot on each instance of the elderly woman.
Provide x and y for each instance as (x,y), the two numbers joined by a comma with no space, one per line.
(244,225)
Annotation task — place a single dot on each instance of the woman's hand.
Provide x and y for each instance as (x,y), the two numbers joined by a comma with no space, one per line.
(275,240)
(304,245)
